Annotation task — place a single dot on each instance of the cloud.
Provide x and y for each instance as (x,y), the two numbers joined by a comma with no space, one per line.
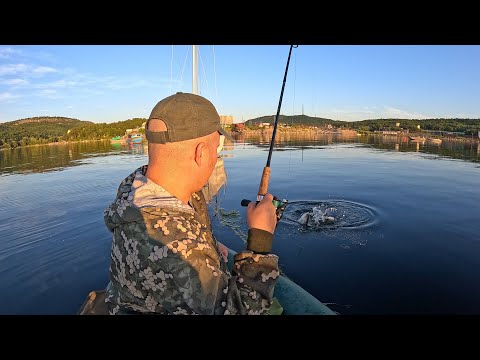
(25,53)
(6,96)
(12,69)
(14,82)
(370,112)
(63,83)
(121,84)
(43,70)
(27,70)
(7,52)
(341,111)
(91,91)
(46,82)
(49,93)
(397,113)
(88,81)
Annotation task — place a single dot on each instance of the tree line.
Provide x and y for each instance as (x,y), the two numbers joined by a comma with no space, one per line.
(103,130)
(468,126)
(45,130)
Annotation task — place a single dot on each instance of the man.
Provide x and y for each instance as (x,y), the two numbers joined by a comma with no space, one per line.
(164,257)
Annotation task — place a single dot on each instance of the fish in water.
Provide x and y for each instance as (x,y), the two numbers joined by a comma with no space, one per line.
(304,218)
(317,217)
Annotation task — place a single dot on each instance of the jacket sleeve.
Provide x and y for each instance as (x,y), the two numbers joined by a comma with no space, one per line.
(108,215)
(184,273)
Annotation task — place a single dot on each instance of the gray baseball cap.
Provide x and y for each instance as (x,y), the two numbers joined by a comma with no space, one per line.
(186,116)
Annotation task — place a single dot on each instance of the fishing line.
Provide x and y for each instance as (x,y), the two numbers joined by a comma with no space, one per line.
(294,81)
(263,188)
(293,116)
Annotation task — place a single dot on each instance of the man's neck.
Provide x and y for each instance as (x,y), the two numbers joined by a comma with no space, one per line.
(171,183)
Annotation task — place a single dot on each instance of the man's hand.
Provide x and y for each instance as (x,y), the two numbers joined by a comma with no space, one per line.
(263,216)
(223,250)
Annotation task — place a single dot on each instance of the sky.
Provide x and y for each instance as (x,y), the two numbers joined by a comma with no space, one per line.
(108,83)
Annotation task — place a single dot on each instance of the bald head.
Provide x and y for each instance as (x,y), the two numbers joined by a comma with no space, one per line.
(181,167)
(173,150)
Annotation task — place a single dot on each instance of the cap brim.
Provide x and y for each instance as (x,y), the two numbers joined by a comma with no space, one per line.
(227,135)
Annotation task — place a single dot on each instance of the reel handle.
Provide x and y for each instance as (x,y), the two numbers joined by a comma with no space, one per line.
(280,205)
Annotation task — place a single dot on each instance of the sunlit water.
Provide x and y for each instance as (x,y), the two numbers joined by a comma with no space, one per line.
(406,235)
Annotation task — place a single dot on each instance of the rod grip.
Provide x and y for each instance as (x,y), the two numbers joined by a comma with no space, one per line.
(263,188)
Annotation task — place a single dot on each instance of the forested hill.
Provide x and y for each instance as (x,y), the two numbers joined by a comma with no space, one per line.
(469,126)
(295,120)
(36,130)
(103,130)
(48,120)
(44,130)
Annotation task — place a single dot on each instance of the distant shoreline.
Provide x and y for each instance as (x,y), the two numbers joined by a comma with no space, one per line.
(53,143)
(349,133)
(310,131)
(298,130)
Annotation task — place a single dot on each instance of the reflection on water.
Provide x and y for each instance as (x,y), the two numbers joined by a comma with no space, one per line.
(290,139)
(469,151)
(447,148)
(227,150)
(347,214)
(403,240)
(45,158)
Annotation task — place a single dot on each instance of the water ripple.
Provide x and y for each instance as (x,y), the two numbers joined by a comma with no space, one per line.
(348,215)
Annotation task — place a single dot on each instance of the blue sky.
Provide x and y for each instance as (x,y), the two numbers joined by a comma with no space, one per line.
(105,83)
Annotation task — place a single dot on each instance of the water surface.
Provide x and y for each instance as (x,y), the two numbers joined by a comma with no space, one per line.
(416,248)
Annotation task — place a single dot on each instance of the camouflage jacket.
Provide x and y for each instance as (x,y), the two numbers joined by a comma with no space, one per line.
(165,260)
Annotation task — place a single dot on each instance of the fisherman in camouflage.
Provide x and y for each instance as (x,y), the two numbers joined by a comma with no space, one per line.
(164,257)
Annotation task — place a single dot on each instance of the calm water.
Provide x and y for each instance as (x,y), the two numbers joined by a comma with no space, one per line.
(408,240)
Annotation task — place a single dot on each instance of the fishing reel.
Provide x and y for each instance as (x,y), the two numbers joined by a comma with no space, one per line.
(280,206)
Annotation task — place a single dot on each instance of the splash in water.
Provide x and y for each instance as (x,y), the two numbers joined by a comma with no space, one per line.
(318,216)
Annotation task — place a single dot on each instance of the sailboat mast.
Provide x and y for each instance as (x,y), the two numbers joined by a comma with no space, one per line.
(195,69)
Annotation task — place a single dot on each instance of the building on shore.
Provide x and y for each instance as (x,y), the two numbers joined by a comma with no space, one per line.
(226,120)
(239,127)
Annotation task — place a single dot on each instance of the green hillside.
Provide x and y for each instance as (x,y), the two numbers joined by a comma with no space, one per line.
(60,120)
(103,130)
(44,130)
(36,130)
(295,120)
(469,126)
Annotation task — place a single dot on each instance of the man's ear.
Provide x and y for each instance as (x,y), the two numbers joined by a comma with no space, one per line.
(199,150)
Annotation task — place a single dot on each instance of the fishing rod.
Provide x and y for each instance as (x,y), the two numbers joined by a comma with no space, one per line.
(263,188)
